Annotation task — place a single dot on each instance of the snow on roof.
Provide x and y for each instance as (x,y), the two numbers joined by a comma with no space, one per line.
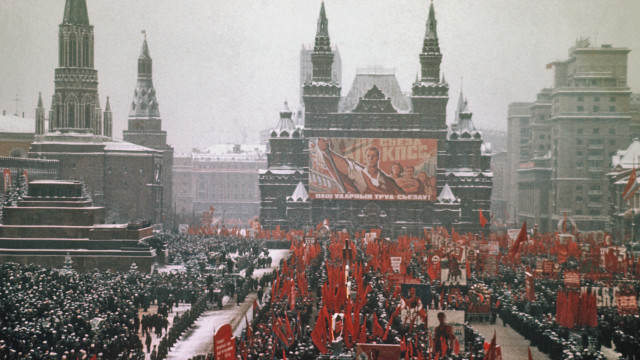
(299,194)
(628,158)
(116,145)
(229,148)
(54,182)
(468,173)
(278,171)
(110,226)
(446,195)
(387,83)
(17,124)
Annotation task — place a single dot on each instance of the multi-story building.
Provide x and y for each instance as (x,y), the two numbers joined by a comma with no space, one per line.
(590,119)
(500,191)
(534,170)
(121,176)
(562,144)
(518,117)
(380,158)
(224,177)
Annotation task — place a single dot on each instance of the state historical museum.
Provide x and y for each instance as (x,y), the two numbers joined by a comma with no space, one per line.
(376,158)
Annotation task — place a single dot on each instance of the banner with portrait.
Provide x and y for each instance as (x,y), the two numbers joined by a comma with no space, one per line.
(372,169)
(453,267)
(453,318)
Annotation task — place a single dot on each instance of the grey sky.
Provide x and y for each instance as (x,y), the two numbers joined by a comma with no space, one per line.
(224,67)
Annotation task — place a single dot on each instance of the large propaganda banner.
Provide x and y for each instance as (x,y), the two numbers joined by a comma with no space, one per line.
(372,169)
(224,346)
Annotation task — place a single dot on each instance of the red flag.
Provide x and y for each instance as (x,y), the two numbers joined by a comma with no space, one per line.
(522,237)
(491,352)
(483,220)
(363,333)
(94,357)
(255,306)
(468,268)
(289,331)
(378,331)
(249,332)
(529,350)
(631,186)
(319,333)
(456,347)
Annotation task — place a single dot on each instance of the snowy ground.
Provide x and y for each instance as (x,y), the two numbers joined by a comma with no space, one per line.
(198,339)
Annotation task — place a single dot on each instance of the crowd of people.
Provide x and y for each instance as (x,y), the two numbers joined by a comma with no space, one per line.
(302,312)
(54,314)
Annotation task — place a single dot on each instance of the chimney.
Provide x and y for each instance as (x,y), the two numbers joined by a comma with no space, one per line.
(23,114)
(4,112)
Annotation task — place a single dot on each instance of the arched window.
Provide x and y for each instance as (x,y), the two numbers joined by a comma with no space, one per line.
(61,61)
(72,50)
(71,108)
(71,115)
(85,52)
(87,116)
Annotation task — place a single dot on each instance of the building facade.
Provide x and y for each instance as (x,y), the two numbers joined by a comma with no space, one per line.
(121,176)
(224,177)
(376,111)
(561,145)
(590,119)
(16,134)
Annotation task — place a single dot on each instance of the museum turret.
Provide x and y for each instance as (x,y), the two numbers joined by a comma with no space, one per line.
(321,95)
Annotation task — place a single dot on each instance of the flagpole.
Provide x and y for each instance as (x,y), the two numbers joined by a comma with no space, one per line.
(631,202)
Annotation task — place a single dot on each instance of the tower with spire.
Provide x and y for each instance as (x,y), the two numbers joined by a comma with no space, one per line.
(430,93)
(468,171)
(40,116)
(287,164)
(321,95)
(76,81)
(145,123)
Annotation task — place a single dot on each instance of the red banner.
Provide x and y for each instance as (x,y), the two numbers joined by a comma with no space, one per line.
(547,267)
(529,287)
(224,345)
(627,305)
(491,266)
(377,351)
(571,279)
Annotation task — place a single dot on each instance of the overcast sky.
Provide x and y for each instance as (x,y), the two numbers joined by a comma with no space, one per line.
(223,68)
